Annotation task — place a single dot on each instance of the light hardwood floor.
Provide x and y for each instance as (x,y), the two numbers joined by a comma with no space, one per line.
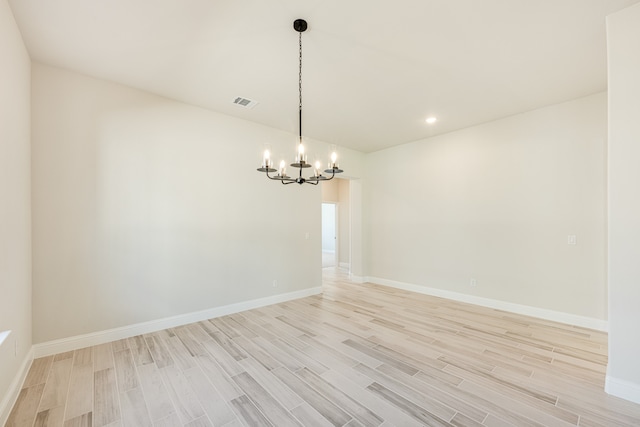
(358,355)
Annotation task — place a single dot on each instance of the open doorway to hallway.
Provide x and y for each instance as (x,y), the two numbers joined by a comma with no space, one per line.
(336,225)
(329,235)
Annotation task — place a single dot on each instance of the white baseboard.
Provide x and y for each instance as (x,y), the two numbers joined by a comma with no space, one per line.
(101,337)
(358,279)
(541,313)
(622,389)
(346,265)
(11,395)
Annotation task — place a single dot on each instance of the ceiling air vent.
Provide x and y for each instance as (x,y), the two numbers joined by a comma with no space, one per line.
(244,102)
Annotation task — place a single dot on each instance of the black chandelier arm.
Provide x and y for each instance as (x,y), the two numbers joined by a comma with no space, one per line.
(271,177)
(322,178)
(286,180)
(283,179)
(333,171)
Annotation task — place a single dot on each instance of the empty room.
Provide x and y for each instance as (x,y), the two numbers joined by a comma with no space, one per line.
(319,213)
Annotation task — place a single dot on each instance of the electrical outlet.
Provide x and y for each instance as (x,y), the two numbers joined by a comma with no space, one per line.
(572,240)
(275,283)
(473,282)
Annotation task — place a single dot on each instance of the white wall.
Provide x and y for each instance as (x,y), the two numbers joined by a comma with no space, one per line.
(344,221)
(15,202)
(146,208)
(496,202)
(359,239)
(623,33)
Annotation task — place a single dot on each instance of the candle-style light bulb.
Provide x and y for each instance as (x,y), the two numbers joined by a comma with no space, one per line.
(334,157)
(282,167)
(317,168)
(266,159)
(300,153)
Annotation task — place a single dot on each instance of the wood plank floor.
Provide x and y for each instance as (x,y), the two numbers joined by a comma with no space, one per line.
(358,355)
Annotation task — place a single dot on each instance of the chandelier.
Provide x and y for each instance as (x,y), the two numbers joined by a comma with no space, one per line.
(300,161)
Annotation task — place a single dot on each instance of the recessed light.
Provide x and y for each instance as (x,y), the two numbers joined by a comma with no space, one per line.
(431,120)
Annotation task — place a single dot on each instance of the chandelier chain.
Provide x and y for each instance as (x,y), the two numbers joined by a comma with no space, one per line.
(300,71)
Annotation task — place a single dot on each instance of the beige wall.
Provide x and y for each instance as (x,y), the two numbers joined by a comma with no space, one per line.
(623,373)
(329,191)
(146,208)
(15,202)
(496,202)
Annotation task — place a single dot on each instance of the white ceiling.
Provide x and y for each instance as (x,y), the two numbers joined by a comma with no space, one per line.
(373,69)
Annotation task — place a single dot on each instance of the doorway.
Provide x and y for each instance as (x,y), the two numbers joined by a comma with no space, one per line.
(342,226)
(329,235)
